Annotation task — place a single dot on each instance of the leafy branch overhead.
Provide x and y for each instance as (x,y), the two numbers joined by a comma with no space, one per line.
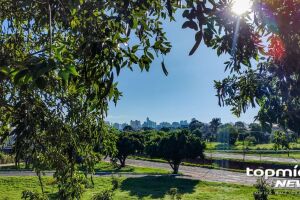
(58,62)
(263,45)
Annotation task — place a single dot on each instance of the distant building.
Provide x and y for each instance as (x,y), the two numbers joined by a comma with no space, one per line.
(149,124)
(136,124)
(175,125)
(165,125)
(184,124)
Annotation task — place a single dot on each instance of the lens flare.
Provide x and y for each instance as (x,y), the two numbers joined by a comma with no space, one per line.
(276,48)
(240,7)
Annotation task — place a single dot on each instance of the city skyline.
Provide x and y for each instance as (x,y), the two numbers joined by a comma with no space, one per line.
(148,123)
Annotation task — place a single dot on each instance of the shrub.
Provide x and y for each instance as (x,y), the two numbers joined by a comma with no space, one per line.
(262,190)
(174,194)
(105,195)
(29,195)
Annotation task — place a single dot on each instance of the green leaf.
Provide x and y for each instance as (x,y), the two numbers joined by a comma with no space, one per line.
(64,74)
(190,24)
(72,70)
(164,68)
(198,38)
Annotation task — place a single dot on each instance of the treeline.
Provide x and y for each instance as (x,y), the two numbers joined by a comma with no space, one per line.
(175,145)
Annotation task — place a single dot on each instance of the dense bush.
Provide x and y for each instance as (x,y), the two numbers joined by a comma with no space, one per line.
(4,158)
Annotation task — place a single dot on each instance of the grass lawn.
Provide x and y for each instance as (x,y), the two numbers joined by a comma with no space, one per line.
(148,187)
(239,146)
(281,155)
(108,167)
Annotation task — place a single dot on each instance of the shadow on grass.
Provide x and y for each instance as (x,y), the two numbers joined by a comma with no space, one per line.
(157,187)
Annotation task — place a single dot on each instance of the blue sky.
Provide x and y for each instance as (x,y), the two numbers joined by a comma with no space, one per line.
(187,92)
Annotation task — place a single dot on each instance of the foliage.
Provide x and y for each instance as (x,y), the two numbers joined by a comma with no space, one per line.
(262,191)
(280,140)
(195,125)
(176,146)
(150,187)
(250,140)
(173,192)
(5,158)
(105,195)
(264,55)
(58,61)
(257,131)
(227,134)
(128,128)
(128,143)
(28,195)
(197,132)
(109,193)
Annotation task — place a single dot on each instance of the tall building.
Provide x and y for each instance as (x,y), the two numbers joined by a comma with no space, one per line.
(184,124)
(136,124)
(149,124)
(175,125)
(165,125)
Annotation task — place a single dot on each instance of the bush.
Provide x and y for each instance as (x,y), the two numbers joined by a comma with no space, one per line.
(29,195)
(105,195)
(250,140)
(5,158)
(263,190)
(173,193)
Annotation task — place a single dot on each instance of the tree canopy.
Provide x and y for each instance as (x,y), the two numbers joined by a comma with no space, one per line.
(176,146)
(58,63)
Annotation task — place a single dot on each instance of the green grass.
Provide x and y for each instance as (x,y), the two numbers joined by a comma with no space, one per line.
(108,167)
(239,146)
(148,187)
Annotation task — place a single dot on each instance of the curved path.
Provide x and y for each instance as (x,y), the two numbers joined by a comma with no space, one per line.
(197,173)
(200,173)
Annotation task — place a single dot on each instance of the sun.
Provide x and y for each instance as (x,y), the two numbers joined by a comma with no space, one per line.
(240,7)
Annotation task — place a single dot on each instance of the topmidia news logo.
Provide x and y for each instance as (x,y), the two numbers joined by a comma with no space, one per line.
(287,176)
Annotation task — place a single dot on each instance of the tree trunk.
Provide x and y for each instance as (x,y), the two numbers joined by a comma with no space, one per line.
(122,161)
(175,166)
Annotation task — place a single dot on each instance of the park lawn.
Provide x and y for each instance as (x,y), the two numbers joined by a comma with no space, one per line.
(295,155)
(149,187)
(239,146)
(108,167)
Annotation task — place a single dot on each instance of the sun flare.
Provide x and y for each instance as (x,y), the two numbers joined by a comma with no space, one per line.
(240,7)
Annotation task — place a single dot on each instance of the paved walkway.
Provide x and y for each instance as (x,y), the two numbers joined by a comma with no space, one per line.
(196,173)
(200,173)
